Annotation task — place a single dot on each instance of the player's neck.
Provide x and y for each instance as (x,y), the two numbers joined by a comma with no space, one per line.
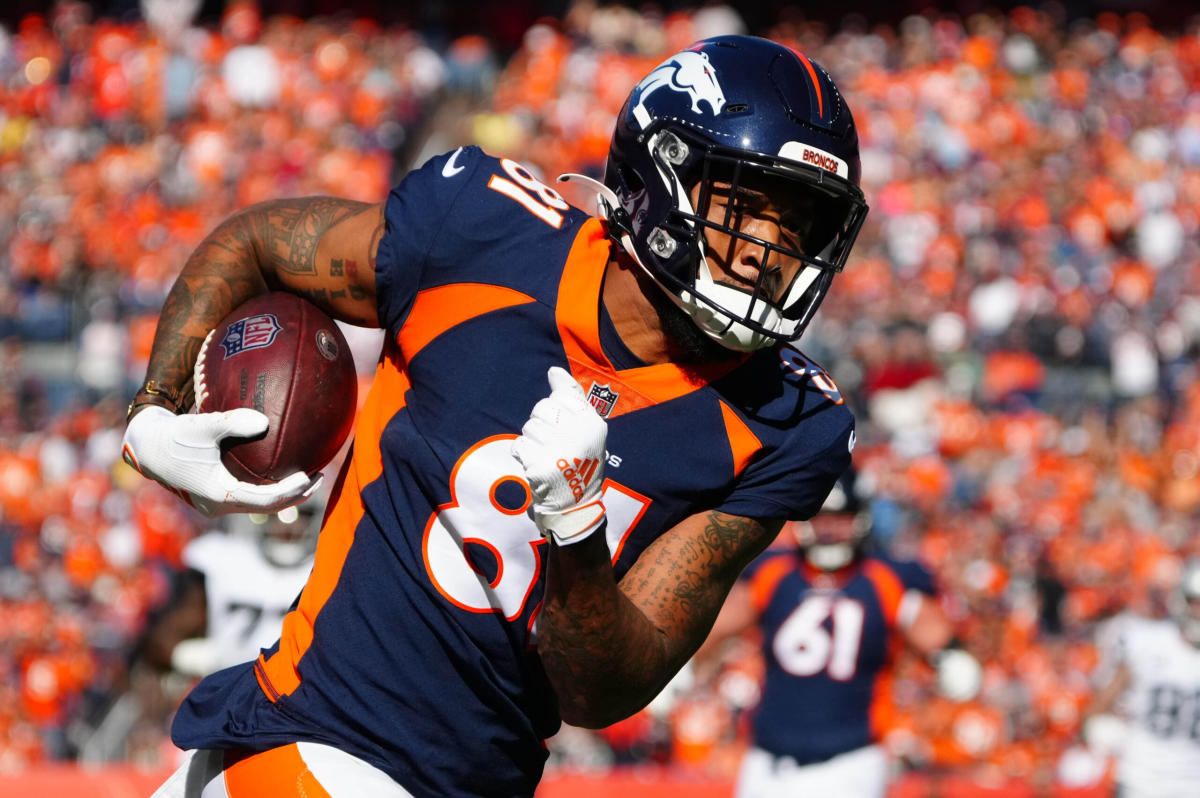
(632,313)
(638,307)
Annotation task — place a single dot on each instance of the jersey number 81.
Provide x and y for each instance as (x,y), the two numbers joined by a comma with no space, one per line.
(534,195)
(482,514)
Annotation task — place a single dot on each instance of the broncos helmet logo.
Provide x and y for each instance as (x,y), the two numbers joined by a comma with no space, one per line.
(687,71)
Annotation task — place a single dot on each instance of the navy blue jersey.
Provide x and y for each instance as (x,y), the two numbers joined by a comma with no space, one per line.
(827,639)
(413,645)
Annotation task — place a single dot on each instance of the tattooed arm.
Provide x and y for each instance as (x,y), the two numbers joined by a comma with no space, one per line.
(608,649)
(321,248)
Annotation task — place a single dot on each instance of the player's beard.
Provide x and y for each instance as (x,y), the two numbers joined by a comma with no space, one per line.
(689,344)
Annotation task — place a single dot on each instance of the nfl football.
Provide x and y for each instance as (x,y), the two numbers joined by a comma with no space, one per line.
(283,356)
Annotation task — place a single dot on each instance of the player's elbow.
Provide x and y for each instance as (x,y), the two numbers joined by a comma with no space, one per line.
(601,706)
(594,718)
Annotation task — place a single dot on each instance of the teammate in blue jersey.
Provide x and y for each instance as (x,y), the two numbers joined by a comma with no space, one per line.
(501,555)
(832,617)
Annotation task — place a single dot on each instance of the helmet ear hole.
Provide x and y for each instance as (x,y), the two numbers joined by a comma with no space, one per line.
(631,179)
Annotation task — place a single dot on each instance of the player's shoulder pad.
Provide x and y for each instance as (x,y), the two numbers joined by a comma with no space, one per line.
(911,573)
(497,187)
(437,182)
(213,551)
(202,551)
(782,387)
(791,402)
(457,165)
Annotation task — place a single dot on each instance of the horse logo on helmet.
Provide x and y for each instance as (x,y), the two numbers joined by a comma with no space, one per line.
(687,71)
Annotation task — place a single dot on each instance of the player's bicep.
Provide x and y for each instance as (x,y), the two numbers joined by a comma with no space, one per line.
(680,582)
(322,248)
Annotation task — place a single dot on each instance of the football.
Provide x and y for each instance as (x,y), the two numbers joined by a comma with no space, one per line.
(283,356)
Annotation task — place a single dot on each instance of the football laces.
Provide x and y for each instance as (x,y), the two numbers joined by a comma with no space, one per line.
(199,384)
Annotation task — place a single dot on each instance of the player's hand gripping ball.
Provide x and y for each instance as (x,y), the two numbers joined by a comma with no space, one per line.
(283,356)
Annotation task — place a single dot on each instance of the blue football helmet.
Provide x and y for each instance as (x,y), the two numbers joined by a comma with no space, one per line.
(731,112)
(838,534)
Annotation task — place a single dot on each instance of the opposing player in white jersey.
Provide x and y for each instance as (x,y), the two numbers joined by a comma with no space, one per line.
(1153,682)
(237,586)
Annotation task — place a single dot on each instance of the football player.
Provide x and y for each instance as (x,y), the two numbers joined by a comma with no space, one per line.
(1147,709)
(831,616)
(230,600)
(499,557)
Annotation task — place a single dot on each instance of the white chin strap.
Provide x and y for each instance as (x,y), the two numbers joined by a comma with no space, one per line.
(721,327)
(729,332)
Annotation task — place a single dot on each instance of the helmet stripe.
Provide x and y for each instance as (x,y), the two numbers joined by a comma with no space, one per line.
(812,74)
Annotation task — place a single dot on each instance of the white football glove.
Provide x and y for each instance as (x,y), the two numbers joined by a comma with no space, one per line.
(183,454)
(561,449)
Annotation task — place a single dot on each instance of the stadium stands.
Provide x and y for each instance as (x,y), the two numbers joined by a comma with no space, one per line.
(1017,331)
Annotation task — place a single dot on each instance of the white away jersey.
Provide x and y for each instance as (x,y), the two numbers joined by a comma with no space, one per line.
(1161,755)
(247,595)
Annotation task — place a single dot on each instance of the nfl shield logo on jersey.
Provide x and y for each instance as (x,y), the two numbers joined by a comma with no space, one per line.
(252,332)
(602,398)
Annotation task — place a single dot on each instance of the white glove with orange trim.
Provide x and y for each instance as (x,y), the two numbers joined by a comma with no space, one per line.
(561,449)
(183,454)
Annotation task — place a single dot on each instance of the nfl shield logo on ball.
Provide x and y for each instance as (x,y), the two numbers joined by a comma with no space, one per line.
(602,398)
(252,332)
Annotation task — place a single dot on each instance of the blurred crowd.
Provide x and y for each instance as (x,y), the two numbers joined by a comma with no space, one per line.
(121,145)
(1017,330)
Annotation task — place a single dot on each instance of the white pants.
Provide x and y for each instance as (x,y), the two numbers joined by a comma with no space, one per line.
(862,773)
(299,769)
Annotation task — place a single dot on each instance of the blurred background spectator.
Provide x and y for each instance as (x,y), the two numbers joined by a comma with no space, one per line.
(1017,333)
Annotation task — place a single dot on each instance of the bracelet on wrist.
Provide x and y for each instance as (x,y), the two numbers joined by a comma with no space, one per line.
(152,393)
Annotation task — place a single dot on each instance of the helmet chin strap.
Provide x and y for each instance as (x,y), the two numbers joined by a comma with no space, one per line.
(721,327)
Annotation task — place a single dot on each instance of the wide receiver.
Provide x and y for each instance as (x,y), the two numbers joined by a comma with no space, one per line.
(832,617)
(496,560)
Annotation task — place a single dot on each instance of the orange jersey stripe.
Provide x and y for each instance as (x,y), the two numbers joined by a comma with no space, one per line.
(279,674)
(890,591)
(887,586)
(436,310)
(765,580)
(882,712)
(743,443)
(278,771)
(578,318)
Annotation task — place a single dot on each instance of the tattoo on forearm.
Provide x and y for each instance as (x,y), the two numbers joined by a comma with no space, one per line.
(627,642)
(680,580)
